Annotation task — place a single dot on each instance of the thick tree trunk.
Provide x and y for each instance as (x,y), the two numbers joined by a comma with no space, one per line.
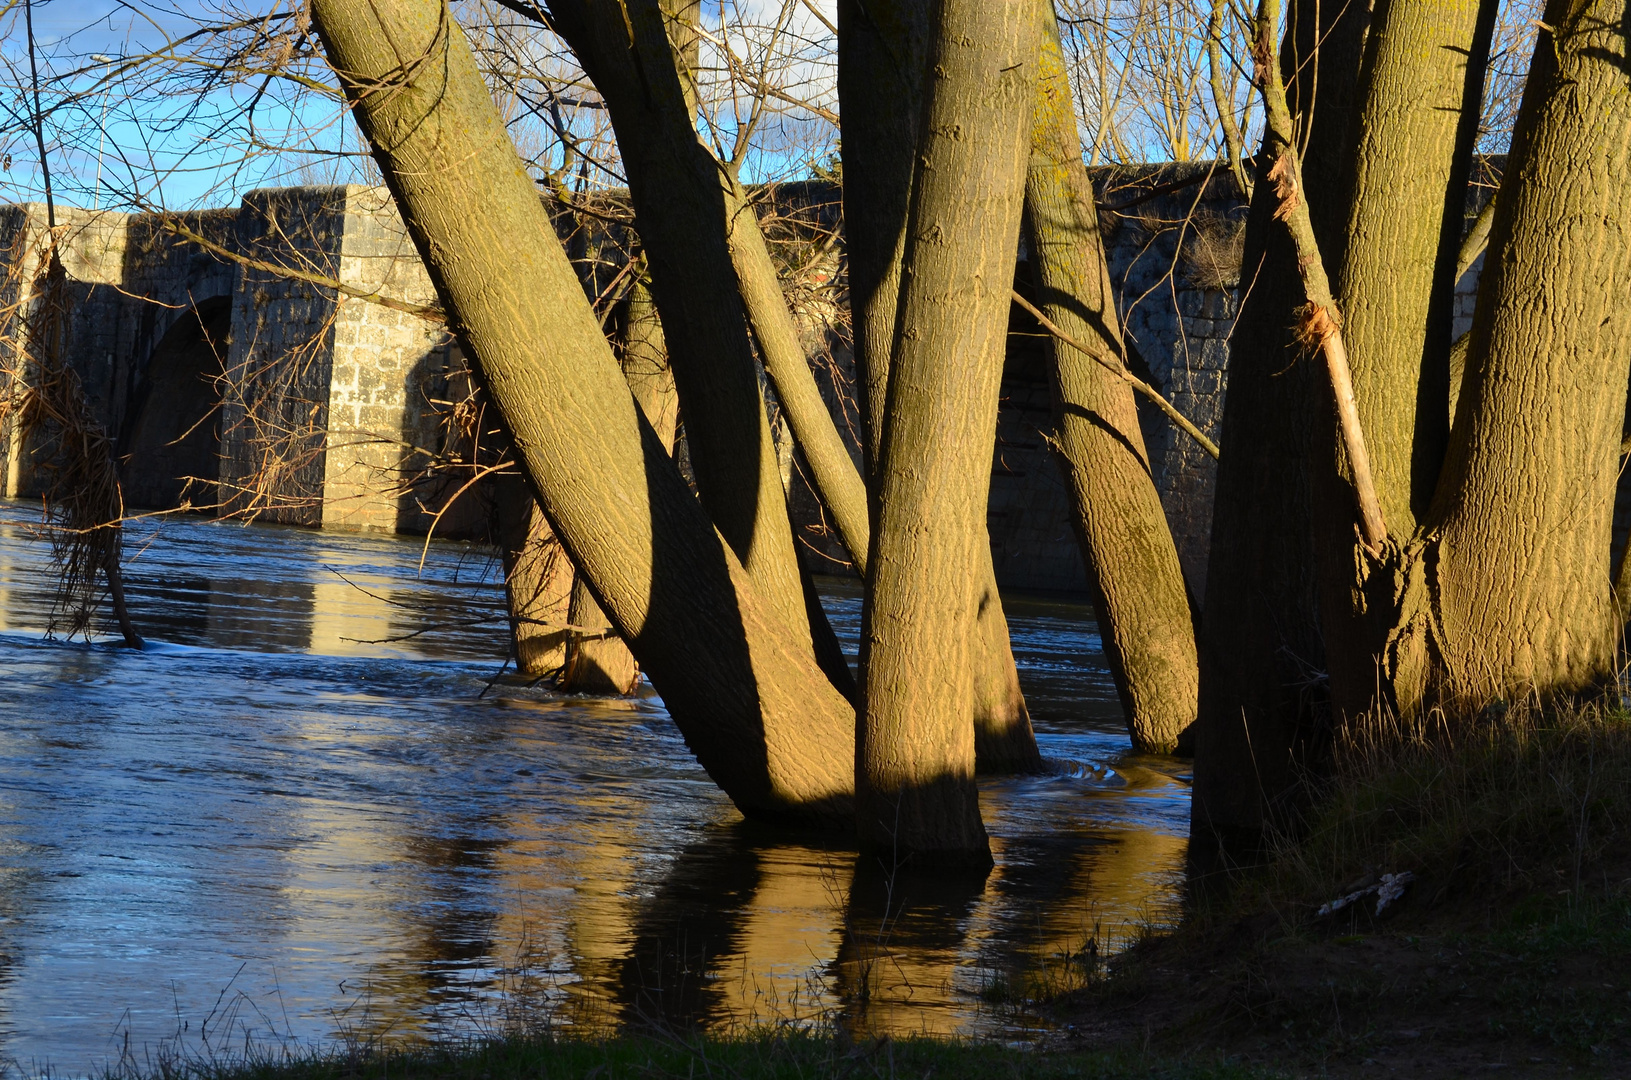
(1420,94)
(1132,563)
(1519,573)
(1261,649)
(601,663)
(882,50)
(738,679)
(915,746)
(680,212)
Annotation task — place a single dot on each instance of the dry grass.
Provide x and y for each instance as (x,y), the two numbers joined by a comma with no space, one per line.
(1511,946)
(1515,801)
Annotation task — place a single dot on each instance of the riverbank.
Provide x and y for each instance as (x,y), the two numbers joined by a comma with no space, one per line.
(775,1055)
(1509,947)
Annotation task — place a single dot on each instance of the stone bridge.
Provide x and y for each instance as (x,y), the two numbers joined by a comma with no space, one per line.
(230,387)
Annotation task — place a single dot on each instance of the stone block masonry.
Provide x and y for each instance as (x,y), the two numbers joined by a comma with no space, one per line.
(331,406)
(284,399)
(227,386)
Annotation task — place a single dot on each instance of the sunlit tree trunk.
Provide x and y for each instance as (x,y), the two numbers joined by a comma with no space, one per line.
(596,663)
(882,50)
(602,663)
(1517,578)
(915,746)
(1132,563)
(737,678)
(1421,89)
(680,213)
(537,581)
(1261,650)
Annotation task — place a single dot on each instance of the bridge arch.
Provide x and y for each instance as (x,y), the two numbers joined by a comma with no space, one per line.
(172,451)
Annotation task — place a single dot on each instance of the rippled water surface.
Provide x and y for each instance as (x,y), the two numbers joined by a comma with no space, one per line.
(313,809)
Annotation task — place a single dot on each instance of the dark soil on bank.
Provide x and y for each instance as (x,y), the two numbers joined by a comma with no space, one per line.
(1509,953)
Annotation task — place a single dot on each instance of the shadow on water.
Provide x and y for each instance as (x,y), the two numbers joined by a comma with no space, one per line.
(310,812)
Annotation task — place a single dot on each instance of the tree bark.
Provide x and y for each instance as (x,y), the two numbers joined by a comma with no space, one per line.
(596,663)
(915,747)
(883,48)
(837,480)
(882,51)
(1522,521)
(1261,649)
(1137,583)
(537,581)
(738,679)
(1421,90)
(680,213)
(602,663)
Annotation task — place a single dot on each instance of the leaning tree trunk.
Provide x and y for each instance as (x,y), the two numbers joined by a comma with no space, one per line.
(1518,578)
(738,679)
(1132,563)
(680,213)
(1421,90)
(601,663)
(1261,650)
(882,47)
(915,746)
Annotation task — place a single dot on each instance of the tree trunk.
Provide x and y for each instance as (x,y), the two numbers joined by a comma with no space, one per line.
(915,756)
(596,663)
(602,663)
(1421,90)
(882,50)
(737,678)
(837,480)
(1522,522)
(537,581)
(1261,650)
(680,213)
(1132,564)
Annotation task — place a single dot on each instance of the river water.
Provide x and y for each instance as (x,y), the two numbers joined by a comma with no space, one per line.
(314,810)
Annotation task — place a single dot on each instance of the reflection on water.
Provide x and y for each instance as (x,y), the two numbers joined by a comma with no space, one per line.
(308,812)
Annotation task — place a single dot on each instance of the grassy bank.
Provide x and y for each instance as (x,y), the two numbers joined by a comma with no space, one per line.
(779,1055)
(1510,948)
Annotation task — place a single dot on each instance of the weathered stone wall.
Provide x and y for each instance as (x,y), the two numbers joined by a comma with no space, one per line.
(388,369)
(127,288)
(330,408)
(280,358)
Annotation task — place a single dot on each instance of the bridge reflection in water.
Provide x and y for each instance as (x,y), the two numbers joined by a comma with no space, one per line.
(309,812)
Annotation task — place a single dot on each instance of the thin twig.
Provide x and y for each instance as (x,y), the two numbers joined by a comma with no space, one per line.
(428,312)
(1126,376)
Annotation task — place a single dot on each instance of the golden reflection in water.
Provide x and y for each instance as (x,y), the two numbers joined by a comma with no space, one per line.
(739,930)
(326,897)
(348,614)
(789,935)
(570,921)
(8,578)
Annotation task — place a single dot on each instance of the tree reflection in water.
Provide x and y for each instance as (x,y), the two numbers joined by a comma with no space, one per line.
(368,838)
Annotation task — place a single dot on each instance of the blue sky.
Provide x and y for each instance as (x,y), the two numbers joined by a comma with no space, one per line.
(150,138)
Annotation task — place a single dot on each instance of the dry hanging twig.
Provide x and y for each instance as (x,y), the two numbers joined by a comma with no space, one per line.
(1321,322)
